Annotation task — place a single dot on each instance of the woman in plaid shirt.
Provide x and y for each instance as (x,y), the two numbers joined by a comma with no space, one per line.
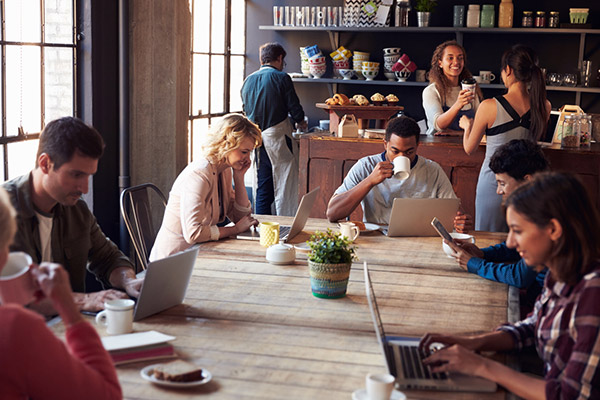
(552,224)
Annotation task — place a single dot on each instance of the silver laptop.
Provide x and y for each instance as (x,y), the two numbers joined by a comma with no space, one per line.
(165,283)
(287,232)
(403,359)
(412,217)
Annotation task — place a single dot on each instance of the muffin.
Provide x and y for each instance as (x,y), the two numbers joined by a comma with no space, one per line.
(377,99)
(392,100)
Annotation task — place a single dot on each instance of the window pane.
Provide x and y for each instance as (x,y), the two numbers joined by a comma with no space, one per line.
(21,157)
(218,27)
(23,20)
(200,87)
(217,82)
(237,79)
(199,129)
(201,26)
(59,21)
(23,88)
(238,27)
(58,83)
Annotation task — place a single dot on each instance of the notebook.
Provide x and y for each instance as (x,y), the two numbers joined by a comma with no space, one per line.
(165,283)
(286,232)
(403,359)
(412,217)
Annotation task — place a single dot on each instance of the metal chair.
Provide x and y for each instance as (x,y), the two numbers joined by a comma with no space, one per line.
(137,213)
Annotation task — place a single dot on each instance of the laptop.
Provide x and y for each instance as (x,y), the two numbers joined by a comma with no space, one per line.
(165,283)
(403,359)
(412,217)
(286,232)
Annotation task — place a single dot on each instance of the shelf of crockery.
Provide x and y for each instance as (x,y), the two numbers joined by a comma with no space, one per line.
(435,29)
(423,84)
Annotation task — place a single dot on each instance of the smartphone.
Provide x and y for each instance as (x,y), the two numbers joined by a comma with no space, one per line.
(437,225)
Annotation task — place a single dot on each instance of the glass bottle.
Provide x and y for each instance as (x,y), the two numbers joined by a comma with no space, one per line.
(540,19)
(487,16)
(527,21)
(402,11)
(585,130)
(505,14)
(473,16)
(569,136)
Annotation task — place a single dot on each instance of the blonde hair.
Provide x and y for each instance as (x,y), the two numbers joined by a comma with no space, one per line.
(8,225)
(228,134)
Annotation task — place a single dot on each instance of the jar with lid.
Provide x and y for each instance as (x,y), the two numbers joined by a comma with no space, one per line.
(473,16)
(554,19)
(505,14)
(527,21)
(569,135)
(402,11)
(540,19)
(487,17)
(585,130)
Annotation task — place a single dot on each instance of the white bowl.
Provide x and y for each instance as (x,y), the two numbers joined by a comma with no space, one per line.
(455,235)
(390,76)
(369,75)
(280,254)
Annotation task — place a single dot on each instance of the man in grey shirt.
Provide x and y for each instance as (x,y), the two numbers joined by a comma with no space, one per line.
(369,182)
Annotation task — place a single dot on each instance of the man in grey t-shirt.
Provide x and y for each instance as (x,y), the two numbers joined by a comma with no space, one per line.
(369,182)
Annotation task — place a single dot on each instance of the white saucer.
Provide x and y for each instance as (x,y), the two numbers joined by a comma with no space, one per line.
(361,394)
(369,227)
(148,374)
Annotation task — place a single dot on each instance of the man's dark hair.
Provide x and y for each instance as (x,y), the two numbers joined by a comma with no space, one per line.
(270,52)
(518,158)
(62,137)
(403,127)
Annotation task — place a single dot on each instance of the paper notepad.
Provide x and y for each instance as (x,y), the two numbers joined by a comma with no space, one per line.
(131,340)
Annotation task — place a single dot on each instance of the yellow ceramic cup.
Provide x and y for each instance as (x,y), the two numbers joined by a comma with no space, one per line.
(269,233)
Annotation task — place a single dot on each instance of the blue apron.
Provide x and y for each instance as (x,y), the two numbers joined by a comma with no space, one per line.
(454,125)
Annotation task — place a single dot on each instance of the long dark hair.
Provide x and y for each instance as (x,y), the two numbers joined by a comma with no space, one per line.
(436,73)
(524,63)
(561,196)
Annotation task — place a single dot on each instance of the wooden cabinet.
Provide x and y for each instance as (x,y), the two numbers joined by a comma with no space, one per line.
(325,161)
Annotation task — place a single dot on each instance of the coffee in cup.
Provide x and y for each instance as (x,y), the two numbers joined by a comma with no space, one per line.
(401,167)
(117,316)
(469,84)
(17,284)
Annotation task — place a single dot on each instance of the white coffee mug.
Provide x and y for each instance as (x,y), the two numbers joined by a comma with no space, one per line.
(455,235)
(350,230)
(17,284)
(379,386)
(117,316)
(401,167)
(487,76)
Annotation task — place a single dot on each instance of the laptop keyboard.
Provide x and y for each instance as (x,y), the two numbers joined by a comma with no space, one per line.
(284,230)
(413,367)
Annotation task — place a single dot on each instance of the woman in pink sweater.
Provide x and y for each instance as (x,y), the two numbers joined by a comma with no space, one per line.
(35,364)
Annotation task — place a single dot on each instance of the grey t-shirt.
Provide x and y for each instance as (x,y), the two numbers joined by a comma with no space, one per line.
(427,180)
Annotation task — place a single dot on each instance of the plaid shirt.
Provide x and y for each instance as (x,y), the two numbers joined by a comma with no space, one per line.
(565,327)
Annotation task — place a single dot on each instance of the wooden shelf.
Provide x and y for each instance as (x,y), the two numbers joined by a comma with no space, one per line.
(435,29)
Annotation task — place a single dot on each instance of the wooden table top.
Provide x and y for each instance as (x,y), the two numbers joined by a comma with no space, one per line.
(257,328)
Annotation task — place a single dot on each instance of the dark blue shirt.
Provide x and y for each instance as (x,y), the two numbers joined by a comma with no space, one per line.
(268,96)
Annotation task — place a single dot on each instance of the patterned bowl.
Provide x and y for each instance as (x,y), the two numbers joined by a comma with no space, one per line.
(402,76)
(347,74)
(370,74)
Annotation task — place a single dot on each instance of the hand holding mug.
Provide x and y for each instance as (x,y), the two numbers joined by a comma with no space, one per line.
(17,281)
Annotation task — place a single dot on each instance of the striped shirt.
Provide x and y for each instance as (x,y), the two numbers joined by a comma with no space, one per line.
(565,327)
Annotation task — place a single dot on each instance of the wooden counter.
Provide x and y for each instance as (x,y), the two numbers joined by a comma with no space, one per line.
(325,161)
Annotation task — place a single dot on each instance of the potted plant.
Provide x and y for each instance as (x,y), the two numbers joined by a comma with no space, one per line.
(424,9)
(330,260)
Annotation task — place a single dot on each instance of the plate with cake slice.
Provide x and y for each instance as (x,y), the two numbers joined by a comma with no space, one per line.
(365,226)
(176,373)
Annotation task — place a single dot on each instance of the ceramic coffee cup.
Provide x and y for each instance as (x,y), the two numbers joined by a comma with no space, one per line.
(379,386)
(117,316)
(487,76)
(269,233)
(463,236)
(401,167)
(350,230)
(17,284)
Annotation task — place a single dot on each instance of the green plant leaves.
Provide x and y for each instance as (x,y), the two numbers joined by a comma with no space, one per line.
(331,248)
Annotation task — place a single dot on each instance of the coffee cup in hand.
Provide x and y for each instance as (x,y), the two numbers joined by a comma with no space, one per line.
(117,316)
(455,235)
(17,284)
(401,167)
(469,84)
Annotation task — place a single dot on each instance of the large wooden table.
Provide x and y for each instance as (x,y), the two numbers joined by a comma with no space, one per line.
(262,334)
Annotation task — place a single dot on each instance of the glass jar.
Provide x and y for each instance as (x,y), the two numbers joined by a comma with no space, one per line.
(505,14)
(585,130)
(569,135)
(554,19)
(473,16)
(458,20)
(402,11)
(540,19)
(487,16)
(527,21)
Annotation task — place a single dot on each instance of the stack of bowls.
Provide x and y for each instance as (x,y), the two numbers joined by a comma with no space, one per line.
(390,56)
(317,66)
(357,59)
(304,64)
(370,69)
(340,64)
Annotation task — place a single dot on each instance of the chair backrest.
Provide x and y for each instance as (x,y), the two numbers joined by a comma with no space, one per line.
(136,209)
